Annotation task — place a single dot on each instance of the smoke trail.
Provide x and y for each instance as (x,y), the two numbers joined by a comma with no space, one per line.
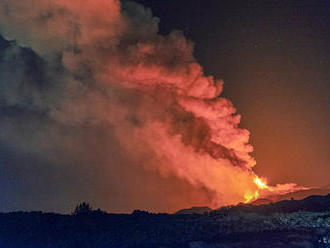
(92,80)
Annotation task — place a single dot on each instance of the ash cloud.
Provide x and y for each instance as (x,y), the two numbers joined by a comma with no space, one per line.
(89,89)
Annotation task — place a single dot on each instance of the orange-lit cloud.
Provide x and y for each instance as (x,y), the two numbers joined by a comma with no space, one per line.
(118,94)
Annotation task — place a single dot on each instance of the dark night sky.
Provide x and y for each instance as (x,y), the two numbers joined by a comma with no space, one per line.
(274,57)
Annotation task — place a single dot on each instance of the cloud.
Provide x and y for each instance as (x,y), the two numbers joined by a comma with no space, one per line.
(92,87)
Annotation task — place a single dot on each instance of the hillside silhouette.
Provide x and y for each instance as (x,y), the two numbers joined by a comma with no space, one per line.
(290,223)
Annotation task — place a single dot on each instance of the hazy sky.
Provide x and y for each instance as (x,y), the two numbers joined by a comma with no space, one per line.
(109,106)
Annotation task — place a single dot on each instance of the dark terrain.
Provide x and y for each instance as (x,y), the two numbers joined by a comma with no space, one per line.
(290,223)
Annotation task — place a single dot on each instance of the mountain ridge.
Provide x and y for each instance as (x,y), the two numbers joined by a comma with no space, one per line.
(272,200)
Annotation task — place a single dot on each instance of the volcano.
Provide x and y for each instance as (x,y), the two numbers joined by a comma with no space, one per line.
(298,195)
(271,199)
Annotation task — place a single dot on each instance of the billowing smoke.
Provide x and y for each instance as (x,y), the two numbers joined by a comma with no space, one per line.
(90,87)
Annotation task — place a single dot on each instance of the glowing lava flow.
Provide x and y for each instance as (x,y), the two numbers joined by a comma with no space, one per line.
(261,184)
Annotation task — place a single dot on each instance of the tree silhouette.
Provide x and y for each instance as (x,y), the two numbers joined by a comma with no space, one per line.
(82,208)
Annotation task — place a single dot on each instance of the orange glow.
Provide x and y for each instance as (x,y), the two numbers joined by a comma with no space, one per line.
(248,197)
(261,183)
(264,190)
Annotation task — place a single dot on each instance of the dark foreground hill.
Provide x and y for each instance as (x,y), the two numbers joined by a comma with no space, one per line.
(304,223)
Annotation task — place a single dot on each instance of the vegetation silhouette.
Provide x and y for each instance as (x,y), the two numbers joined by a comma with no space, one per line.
(82,208)
(292,223)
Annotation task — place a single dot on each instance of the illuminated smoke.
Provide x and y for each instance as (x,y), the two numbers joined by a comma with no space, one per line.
(109,89)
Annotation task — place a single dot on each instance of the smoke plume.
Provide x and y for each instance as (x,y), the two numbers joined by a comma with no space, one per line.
(90,88)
